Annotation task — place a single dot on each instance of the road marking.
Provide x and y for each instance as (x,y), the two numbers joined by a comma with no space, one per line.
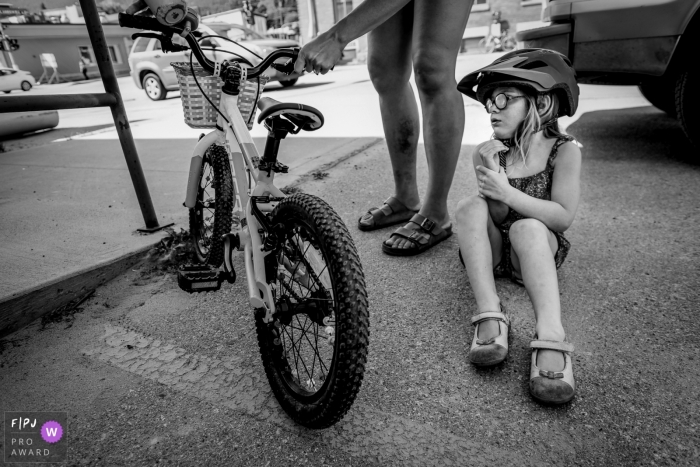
(365,432)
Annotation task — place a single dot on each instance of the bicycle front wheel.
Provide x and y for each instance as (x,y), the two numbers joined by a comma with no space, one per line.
(211,217)
(315,349)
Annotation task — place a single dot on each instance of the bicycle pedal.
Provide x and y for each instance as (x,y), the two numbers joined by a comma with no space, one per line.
(200,278)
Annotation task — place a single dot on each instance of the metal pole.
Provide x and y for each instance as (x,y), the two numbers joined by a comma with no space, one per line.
(121,122)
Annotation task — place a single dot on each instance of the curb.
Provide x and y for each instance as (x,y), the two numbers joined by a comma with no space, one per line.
(19,311)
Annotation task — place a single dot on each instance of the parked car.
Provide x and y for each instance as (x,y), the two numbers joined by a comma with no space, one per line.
(11,79)
(152,72)
(650,43)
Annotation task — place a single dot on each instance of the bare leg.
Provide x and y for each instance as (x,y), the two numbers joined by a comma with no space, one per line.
(437,34)
(481,245)
(389,63)
(533,249)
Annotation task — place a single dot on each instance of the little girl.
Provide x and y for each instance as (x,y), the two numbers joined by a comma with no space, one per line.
(528,178)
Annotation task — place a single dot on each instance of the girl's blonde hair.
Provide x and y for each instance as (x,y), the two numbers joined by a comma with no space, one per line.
(534,122)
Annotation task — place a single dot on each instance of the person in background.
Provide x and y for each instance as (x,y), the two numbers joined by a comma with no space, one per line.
(423,37)
(83,63)
(504,24)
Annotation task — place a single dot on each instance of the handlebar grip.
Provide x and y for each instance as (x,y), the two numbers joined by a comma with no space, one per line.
(144,22)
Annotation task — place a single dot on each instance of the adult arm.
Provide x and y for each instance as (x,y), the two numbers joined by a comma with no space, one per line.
(322,53)
(557,214)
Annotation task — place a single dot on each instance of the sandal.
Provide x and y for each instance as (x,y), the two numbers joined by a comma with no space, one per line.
(435,233)
(391,213)
(491,351)
(552,387)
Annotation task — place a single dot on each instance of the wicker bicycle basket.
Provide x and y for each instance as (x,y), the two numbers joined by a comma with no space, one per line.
(199,113)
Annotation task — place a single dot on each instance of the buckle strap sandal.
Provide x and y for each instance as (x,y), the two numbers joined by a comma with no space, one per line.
(426,235)
(391,213)
(492,351)
(552,387)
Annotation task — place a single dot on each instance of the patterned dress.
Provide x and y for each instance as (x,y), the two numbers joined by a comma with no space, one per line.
(538,186)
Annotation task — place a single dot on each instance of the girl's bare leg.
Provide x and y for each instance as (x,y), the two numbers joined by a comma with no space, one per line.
(438,26)
(389,64)
(533,250)
(481,245)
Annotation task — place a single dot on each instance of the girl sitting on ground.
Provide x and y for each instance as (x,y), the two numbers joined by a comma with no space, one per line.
(529,186)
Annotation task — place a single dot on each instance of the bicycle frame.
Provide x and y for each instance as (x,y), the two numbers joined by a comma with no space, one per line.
(242,156)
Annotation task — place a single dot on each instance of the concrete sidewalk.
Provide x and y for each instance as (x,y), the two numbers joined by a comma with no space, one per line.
(70,214)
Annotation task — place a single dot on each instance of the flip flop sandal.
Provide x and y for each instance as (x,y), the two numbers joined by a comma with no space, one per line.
(552,387)
(417,237)
(489,352)
(391,213)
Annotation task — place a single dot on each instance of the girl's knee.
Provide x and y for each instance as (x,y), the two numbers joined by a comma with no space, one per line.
(469,208)
(433,73)
(527,231)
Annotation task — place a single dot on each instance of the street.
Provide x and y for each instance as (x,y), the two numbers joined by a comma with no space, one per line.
(151,375)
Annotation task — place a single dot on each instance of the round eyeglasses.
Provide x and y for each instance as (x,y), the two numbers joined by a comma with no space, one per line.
(500,101)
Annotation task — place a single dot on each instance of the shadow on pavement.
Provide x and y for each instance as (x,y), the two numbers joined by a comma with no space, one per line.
(40,138)
(642,133)
(279,87)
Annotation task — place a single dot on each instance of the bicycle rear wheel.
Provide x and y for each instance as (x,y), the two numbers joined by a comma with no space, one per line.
(315,349)
(212,215)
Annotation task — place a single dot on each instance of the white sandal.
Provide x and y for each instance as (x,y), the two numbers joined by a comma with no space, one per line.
(491,351)
(552,387)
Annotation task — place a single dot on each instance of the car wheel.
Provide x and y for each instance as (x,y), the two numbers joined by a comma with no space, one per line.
(687,97)
(154,87)
(661,93)
(26,85)
(7,92)
(289,82)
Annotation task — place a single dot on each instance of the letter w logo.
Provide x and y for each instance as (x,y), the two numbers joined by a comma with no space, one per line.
(52,432)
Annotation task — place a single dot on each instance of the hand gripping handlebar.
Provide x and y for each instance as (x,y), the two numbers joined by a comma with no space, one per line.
(152,24)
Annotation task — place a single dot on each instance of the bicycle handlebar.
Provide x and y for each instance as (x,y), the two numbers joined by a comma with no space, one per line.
(152,24)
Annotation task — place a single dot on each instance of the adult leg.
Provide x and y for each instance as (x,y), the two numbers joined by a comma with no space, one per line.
(389,64)
(438,26)
(533,249)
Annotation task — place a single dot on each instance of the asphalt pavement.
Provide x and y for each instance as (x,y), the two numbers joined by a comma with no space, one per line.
(152,375)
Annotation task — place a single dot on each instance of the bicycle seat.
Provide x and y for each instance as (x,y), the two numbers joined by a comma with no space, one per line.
(304,116)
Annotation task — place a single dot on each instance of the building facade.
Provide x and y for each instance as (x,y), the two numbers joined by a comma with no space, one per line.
(69,43)
(317,16)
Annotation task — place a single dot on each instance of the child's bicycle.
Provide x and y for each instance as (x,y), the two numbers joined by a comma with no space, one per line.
(304,277)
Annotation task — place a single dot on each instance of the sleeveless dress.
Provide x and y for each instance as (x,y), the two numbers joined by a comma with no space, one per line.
(538,186)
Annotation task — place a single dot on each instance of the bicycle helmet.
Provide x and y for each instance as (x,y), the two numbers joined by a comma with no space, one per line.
(541,70)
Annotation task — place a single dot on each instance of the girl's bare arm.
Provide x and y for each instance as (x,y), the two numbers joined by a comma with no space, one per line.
(497,209)
(557,214)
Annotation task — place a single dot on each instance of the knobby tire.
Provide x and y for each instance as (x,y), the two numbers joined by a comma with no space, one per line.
(307,291)
(211,218)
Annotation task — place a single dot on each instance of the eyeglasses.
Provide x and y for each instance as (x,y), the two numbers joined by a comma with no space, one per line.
(500,101)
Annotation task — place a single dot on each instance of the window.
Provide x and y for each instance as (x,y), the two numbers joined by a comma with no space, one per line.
(480,5)
(141,44)
(87,55)
(208,43)
(114,54)
(342,9)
